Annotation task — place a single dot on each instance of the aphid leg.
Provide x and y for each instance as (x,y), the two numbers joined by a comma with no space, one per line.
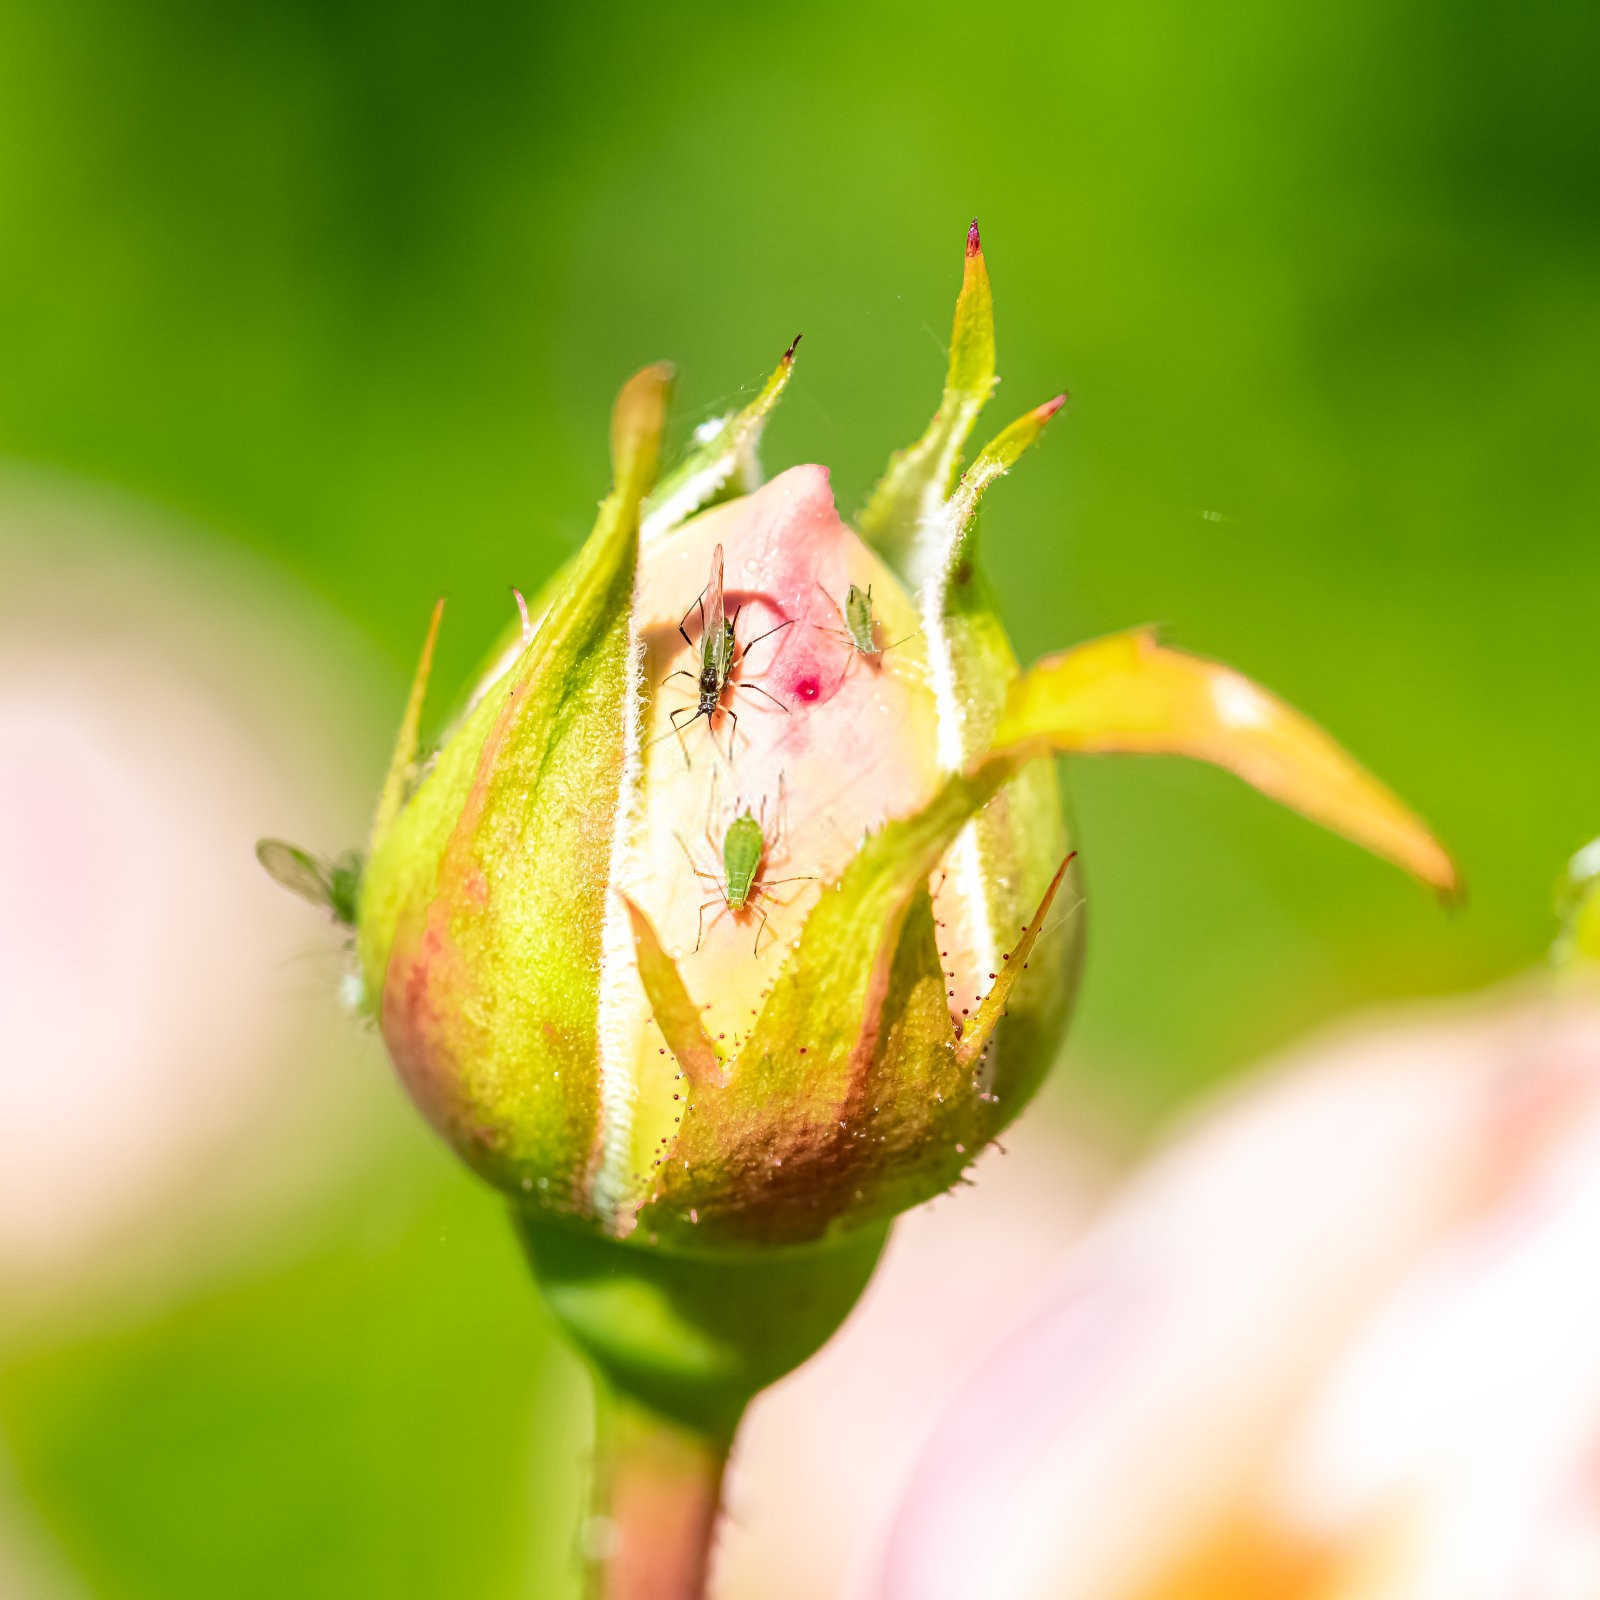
(833,606)
(733,717)
(786,899)
(677,728)
(745,649)
(672,717)
(755,688)
(699,872)
(761,928)
(720,901)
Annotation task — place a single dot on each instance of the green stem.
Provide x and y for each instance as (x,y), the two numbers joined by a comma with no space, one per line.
(658,1486)
(679,1345)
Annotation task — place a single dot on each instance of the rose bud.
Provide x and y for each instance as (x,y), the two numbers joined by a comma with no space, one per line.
(718,923)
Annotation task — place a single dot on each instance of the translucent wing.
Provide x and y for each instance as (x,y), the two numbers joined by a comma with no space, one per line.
(716,611)
(333,887)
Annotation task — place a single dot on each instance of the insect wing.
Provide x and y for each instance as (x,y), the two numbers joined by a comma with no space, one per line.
(297,871)
(712,640)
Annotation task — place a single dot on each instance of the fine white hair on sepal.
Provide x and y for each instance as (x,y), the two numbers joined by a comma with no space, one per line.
(939,534)
(691,495)
(622,1004)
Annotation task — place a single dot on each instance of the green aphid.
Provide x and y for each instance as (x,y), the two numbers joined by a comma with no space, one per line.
(858,627)
(858,620)
(743,846)
(741,885)
(333,885)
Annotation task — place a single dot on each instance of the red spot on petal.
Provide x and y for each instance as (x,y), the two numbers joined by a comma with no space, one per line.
(808,689)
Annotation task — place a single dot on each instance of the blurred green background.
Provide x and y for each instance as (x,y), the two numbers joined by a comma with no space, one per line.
(352,285)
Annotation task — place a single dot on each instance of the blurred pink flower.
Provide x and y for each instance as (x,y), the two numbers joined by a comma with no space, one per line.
(822,1455)
(155,698)
(1342,1339)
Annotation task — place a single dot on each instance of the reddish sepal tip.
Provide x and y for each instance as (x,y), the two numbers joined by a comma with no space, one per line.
(794,344)
(1050,407)
(974,243)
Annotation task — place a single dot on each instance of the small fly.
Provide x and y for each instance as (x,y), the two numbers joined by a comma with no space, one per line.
(720,656)
(742,883)
(334,885)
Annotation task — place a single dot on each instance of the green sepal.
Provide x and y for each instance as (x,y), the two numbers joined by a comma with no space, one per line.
(487,1002)
(403,763)
(854,1096)
(925,521)
(1021,837)
(912,493)
(725,463)
(848,1101)
(975,1036)
(675,1012)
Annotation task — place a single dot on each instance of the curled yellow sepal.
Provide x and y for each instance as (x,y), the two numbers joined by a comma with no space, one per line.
(1128,693)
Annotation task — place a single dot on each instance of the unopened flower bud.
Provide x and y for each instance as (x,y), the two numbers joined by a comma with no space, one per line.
(738,908)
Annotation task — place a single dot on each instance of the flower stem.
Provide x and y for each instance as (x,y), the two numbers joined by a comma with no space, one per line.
(679,1345)
(658,1485)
